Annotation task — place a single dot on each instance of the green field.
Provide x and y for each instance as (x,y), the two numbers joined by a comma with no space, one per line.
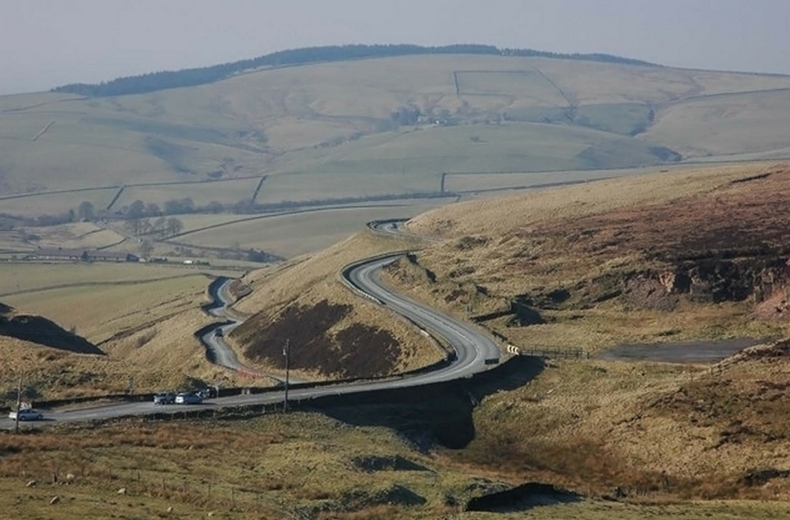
(334,184)
(201,193)
(726,125)
(55,203)
(329,128)
(77,235)
(418,157)
(298,233)
(364,132)
(99,311)
(19,277)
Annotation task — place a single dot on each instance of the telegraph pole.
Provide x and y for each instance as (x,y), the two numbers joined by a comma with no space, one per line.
(287,354)
(18,403)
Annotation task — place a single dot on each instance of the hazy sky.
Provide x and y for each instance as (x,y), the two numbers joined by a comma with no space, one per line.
(44,43)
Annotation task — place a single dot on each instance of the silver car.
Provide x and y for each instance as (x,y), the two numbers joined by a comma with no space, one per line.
(188,398)
(26,414)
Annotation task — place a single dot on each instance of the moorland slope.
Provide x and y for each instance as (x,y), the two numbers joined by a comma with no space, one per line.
(656,258)
(645,259)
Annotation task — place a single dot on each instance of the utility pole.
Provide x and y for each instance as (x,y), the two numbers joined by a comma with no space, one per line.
(287,354)
(18,403)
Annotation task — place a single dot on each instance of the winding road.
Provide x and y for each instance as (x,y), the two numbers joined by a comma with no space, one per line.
(474,351)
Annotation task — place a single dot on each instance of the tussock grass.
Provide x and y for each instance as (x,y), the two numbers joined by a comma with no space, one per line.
(659,432)
(496,216)
(262,468)
(270,467)
(495,250)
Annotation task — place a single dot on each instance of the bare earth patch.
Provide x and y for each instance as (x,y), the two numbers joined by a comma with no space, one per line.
(333,332)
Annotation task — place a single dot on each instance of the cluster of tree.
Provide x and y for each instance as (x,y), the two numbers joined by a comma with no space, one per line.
(8,222)
(162,227)
(54,220)
(599,57)
(150,219)
(259,255)
(200,76)
(251,255)
(139,209)
(406,115)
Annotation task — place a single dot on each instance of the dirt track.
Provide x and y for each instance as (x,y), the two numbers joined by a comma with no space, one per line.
(681,352)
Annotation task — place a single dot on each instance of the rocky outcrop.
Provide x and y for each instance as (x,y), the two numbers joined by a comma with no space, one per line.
(763,280)
(711,280)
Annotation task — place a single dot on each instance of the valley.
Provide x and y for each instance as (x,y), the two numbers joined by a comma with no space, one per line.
(578,309)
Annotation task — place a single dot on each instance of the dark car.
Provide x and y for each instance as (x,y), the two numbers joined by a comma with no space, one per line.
(189,398)
(218,333)
(165,398)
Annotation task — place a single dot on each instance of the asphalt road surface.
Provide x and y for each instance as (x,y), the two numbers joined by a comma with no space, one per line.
(471,345)
(221,353)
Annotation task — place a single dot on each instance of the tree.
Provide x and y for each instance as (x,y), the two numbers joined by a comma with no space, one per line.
(144,226)
(86,211)
(215,207)
(159,226)
(133,226)
(257,256)
(174,207)
(173,226)
(146,248)
(136,210)
(152,210)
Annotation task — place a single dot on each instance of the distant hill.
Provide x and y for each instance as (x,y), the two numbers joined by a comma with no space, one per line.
(199,76)
(466,120)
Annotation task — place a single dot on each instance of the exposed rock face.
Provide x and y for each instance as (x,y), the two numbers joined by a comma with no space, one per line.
(712,281)
(776,306)
(763,280)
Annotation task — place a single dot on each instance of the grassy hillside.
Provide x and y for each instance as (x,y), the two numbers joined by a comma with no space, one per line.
(303,465)
(334,332)
(293,234)
(647,259)
(142,317)
(415,130)
(659,257)
(359,118)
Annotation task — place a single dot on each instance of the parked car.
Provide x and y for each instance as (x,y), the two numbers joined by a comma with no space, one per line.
(218,333)
(26,414)
(188,398)
(165,398)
